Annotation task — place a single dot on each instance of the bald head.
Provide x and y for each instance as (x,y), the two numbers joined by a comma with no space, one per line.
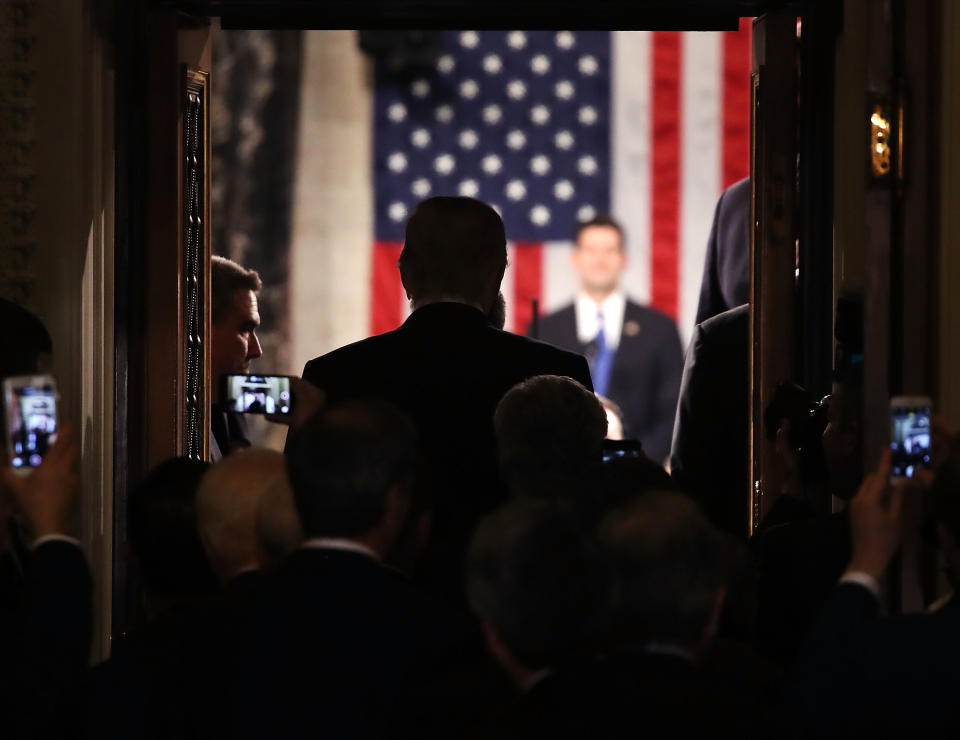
(227,505)
(278,524)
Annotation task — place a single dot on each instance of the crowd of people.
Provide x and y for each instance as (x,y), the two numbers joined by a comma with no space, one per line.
(449,546)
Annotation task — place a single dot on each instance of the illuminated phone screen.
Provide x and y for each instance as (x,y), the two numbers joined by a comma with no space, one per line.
(910,440)
(258,394)
(31,423)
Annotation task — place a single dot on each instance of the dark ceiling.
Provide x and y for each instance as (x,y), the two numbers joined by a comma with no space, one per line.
(689,15)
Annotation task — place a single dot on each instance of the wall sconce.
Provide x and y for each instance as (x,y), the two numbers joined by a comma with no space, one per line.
(880,133)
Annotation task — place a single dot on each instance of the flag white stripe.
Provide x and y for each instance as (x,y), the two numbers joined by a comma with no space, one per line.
(631,153)
(560,282)
(508,286)
(701,155)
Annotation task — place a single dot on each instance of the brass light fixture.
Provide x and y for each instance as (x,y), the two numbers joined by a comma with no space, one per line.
(879,143)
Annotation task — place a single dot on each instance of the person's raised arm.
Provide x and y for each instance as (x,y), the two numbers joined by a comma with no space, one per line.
(875,523)
(44,495)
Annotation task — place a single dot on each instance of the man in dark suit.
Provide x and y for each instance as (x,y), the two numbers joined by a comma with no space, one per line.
(672,571)
(448,367)
(46,624)
(635,354)
(234,319)
(800,560)
(46,593)
(726,273)
(543,595)
(859,675)
(148,687)
(341,643)
(710,457)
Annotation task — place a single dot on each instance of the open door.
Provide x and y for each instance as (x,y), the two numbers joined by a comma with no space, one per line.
(773,241)
(163,288)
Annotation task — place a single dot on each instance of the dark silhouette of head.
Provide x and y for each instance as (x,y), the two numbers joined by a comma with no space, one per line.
(455,250)
(671,569)
(162,519)
(26,341)
(537,583)
(549,431)
(351,470)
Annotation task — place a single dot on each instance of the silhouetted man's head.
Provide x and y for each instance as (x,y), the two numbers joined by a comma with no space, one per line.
(351,470)
(228,503)
(26,342)
(162,518)
(671,571)
(234,317)
(548,429)
(455,250)
(537,584)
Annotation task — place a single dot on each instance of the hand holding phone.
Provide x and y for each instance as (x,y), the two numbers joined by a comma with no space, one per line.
(308,402)
(875,520)
(30,407)
(44,494)
(257,394)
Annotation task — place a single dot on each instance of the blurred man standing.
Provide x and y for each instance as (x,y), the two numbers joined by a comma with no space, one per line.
(634,352)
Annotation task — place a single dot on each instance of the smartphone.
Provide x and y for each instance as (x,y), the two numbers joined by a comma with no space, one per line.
(910,435)
(257,394)
(616,449)
(30,411)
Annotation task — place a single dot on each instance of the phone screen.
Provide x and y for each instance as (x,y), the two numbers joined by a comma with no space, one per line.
(257,394)
(621,448)
(31,423)
(910,440)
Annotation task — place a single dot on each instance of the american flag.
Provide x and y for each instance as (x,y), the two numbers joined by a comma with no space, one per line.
(552,128)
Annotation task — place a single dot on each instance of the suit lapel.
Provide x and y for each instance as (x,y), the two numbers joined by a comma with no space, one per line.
(630,336)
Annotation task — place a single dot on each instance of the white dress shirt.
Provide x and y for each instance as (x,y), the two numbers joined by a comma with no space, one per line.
(340,543)
(862,579)
(586,310)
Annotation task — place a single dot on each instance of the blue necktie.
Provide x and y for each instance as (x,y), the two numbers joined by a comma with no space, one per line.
(602,360)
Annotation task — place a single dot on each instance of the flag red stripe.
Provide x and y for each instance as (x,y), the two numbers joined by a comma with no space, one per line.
(737,62)
(527,283)
(386,300)
(665,198)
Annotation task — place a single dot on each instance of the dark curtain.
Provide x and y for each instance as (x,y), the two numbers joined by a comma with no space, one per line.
(255,108)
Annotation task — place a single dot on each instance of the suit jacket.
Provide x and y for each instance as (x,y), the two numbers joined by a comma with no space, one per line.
(339,645)
(228,432)
(585,699)
(645,377)
(676,698)
(710,457)
(726,273)
(45,633)
(447,368)
(860,676)
(799,563)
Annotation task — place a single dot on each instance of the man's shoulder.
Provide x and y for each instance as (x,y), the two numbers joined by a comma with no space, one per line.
(648,317)
(353,352)
(534,350)
(560,315)
(732,320)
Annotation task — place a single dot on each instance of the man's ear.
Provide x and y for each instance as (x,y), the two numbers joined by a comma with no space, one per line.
(397,507)
(712,627)
(947,541)
(406,289)
(495,644)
